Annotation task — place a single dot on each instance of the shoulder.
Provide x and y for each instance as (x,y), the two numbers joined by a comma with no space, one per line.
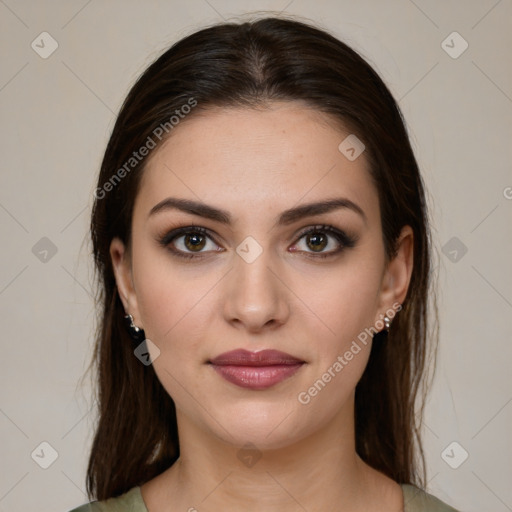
(417,500)
(130,501)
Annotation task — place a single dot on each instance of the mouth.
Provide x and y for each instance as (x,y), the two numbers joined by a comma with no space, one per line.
(256,370)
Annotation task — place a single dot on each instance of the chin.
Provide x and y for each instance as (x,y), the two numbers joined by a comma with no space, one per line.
(266,426)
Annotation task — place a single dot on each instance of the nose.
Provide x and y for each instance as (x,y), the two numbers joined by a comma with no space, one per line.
(256,297)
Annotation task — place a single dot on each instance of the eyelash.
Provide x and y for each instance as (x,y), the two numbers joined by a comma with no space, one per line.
(346,241)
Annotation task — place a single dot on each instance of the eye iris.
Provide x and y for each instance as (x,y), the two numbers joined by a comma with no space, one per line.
(319,241)
(196,243)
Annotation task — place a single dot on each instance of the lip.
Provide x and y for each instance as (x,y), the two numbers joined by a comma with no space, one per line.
(256,370)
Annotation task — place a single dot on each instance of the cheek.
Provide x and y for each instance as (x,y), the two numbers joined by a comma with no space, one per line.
(175,305)
(338,312)
(175,309)
(338,304)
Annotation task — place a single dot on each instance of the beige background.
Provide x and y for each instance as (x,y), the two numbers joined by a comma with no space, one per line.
(56,115)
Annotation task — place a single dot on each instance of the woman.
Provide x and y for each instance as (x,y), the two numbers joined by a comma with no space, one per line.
(262,244)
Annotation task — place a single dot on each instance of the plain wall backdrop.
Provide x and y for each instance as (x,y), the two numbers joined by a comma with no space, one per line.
(57,110)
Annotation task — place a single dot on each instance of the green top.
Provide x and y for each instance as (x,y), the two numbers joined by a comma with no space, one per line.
(415,500)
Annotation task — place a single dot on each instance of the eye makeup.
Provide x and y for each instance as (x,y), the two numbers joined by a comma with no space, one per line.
(197,234)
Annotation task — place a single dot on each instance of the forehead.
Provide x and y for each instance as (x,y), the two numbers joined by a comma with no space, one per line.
(278,156)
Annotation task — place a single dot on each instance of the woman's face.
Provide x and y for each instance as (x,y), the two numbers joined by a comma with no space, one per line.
(246,275)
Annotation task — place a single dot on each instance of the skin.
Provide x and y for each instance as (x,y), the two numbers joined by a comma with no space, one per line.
(256,164)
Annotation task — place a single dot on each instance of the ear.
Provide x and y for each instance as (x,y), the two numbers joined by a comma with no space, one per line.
(397,275)
(121,263)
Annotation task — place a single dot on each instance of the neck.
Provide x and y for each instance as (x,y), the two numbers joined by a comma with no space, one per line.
(320,472)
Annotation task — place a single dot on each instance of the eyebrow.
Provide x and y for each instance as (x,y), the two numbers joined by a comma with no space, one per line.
(285,218)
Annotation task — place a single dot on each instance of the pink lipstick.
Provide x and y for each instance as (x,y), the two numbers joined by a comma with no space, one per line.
(256,370)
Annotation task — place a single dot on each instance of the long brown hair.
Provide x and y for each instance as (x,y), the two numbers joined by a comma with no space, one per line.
(247,65)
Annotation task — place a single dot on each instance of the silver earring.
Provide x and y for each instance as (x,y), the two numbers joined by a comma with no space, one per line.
(387,322)
(136,333)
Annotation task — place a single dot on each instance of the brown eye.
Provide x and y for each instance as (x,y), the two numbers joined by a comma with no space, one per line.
(318,238)
(189,242)
(194,241)
(317,241)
